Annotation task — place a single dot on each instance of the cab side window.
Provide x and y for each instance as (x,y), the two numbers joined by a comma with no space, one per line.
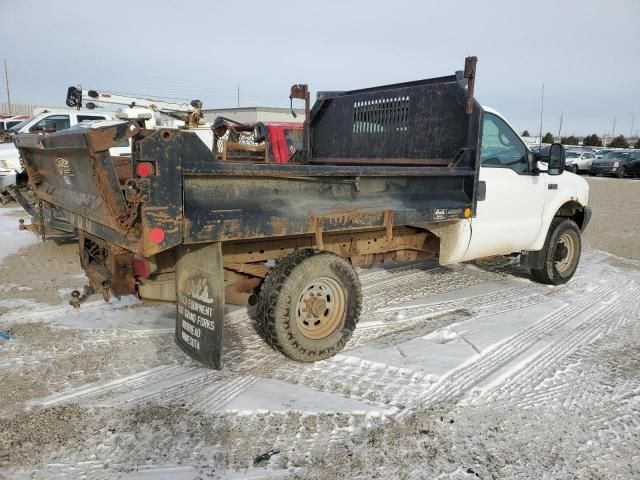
(52,123)
(501,147)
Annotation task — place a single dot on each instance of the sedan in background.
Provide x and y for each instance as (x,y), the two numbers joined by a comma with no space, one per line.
(619,163)
(579,161)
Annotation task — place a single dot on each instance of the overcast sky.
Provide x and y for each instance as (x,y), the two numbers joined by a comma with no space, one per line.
(587,53)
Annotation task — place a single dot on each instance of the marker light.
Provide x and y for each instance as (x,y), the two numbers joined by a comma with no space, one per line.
(156,235)
(467,212)
(144,169)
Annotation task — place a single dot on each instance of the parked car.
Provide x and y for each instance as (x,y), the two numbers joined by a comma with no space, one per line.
(579,161)
(617,163)
(7,122)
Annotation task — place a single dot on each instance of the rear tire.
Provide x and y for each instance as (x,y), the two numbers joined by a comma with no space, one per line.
(562,250)
(309,305)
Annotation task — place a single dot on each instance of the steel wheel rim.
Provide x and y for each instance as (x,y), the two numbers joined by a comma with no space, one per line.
(321,308)
(566,241)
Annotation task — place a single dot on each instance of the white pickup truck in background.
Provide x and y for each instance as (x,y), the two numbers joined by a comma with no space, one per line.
(49,121)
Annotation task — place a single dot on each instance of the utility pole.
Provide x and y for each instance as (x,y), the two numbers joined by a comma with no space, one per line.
(541,110)
(238,92)
(6,79)
(560,129)
(613,131)
(633,120)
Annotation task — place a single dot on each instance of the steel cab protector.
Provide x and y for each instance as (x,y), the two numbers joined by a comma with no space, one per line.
(395,155)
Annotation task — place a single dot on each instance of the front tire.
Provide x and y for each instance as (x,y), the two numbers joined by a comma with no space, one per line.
(562,250)
(620,173)
(309,305)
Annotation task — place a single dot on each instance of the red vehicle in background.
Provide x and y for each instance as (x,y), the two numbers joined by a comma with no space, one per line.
(275,142)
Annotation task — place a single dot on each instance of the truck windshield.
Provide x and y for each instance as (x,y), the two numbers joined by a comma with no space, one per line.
(17,127)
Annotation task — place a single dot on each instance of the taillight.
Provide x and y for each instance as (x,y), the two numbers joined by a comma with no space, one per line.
(144,169)
(140,267)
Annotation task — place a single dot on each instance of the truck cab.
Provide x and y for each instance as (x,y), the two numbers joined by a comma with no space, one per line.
(518,194)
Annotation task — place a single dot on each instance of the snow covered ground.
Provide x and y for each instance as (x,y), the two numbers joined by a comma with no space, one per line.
(470,371)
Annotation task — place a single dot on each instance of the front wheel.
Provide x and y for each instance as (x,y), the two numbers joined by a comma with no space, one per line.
(573,168)
(620,173)
(309,305)
(561,253)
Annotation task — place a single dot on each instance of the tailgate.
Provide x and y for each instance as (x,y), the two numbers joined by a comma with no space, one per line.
(74,171)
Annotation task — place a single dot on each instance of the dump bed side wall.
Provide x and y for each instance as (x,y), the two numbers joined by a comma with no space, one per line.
(231,207)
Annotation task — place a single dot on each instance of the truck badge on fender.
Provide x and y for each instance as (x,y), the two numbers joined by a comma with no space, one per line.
(439,213)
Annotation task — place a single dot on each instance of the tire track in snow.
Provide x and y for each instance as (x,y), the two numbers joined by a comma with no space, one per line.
(217,395)
(396,324)
(464,378)
(523,386)
(119,385)
(537,369)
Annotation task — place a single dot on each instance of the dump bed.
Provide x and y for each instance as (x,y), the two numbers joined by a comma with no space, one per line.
(401,154)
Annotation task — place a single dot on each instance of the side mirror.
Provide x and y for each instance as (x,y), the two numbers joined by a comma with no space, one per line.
(556,159)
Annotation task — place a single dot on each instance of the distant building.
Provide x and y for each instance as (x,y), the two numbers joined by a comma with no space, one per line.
(255,114)
(531,140)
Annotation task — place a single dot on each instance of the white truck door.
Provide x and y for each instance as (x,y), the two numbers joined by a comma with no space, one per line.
(509,217)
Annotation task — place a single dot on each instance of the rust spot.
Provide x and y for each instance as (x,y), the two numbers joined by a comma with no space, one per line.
(279,226)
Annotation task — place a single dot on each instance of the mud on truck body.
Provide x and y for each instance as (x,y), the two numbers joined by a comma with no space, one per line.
(396,172)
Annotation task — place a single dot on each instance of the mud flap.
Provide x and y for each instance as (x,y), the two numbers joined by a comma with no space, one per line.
(200,302)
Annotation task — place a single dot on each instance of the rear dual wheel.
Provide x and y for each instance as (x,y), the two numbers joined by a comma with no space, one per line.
(309,305)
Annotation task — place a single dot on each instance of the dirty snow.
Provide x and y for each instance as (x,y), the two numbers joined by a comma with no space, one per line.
(457,372)
(12,239)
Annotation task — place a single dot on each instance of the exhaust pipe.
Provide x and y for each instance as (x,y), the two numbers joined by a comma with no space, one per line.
(238,293)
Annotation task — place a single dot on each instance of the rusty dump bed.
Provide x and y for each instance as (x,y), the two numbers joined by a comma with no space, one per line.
(401,154)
